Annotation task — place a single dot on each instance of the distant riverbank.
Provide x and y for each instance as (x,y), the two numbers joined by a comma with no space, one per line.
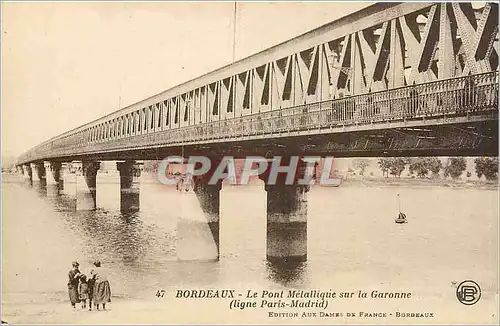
(419,182)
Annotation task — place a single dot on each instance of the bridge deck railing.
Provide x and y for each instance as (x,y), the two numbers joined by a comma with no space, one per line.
(467,95)
(459,96)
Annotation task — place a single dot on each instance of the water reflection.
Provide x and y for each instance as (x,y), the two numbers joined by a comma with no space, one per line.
(63,203)
(110,235)
(138,243)
(41,187)
(53,190)
(199,273)
(287,273)
(28,182)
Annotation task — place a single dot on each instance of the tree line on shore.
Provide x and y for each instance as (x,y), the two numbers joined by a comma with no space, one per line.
(420,167)
(424,167)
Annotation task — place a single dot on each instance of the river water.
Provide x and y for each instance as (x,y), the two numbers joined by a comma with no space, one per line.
(353,243)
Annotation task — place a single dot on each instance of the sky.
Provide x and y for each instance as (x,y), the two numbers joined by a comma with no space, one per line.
(65,64)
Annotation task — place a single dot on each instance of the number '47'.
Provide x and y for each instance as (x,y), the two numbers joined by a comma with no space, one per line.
(160,293)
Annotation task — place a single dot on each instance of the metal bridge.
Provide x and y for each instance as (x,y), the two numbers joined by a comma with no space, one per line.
(393,79)
(384,80)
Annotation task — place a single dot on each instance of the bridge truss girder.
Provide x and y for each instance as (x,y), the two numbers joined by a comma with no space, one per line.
(382,47)
(477,138)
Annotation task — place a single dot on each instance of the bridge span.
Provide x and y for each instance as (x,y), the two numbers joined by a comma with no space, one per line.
(393,79)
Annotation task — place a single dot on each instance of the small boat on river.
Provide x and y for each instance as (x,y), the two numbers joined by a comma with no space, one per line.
(401,219)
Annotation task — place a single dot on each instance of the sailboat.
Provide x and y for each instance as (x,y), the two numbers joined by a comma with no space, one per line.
(401,219)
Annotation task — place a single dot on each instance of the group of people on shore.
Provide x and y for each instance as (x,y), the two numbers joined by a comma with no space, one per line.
(92,289)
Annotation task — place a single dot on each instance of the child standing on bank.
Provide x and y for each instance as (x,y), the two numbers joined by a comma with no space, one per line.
(90,286)
(83,290)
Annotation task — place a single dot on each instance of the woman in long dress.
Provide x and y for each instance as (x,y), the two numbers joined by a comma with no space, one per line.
(102,290)
(73,276)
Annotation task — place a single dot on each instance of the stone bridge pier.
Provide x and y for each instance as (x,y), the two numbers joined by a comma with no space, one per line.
(22,171)
(286,223)
(34,174)
(28,173)
(39,175)
(130,173)
(54,179)
(287,212)
(86,193)
(198,219)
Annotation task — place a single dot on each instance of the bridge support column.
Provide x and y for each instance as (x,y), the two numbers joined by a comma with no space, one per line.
(287,218)
(286,223)
(58,174)
(54,179)
(41,173)
(28,173)
(130,172)
(198,222)
(67,179)
(34,174)
(86,186)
